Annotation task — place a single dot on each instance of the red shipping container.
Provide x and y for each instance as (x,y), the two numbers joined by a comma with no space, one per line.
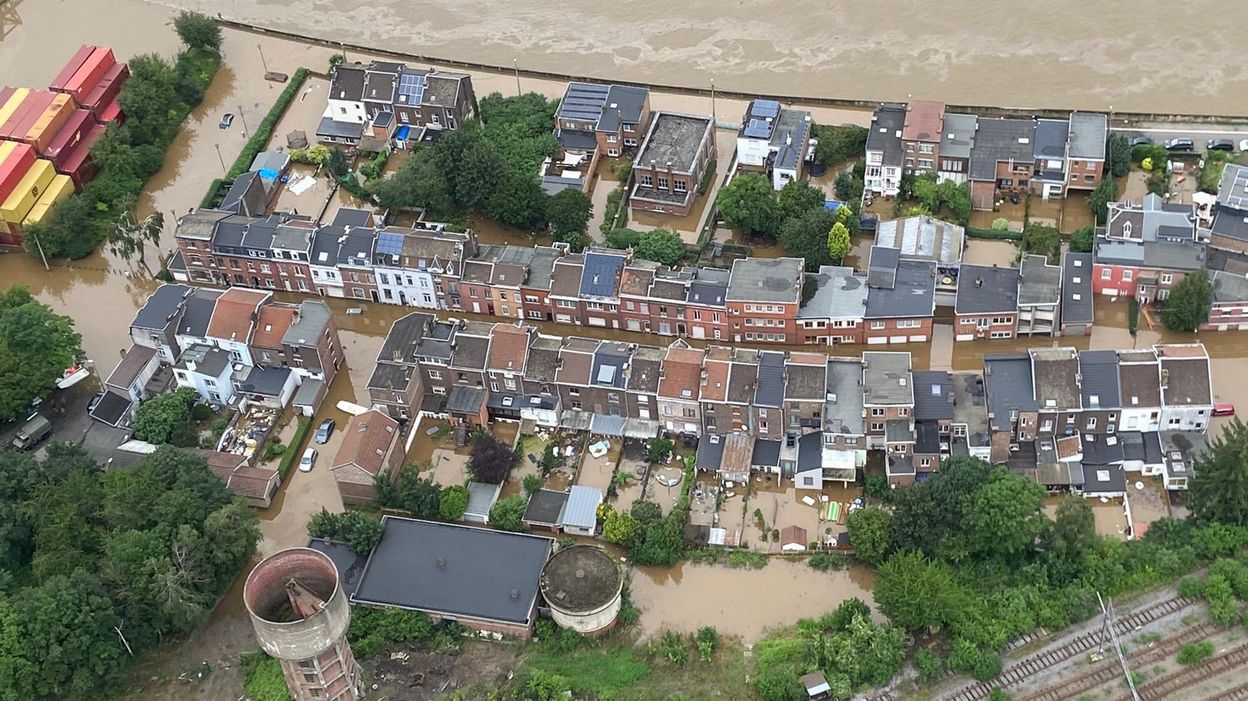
(62,79)
(14,167)
(92,70)
(77,164)
(5,93)
(49,124)
(74,130)
(24,118)
(107,89)
(10,234)
(112,113)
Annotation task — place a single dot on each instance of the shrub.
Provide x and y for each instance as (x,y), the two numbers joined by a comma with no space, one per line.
(1191,586)
(305,423)
(659,449)
(672,647)
(532,483)
(706,639)
(998,695)
(1195,652)
(453,502)
(929,666)
(273,449)
(966,657)
(823,562)
(263,679)
(1000,224)
(877,487)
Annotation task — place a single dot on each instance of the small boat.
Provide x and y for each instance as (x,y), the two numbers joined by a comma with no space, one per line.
(72,376)
(351,408)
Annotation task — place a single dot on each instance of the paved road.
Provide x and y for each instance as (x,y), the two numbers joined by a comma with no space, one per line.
(1198,136)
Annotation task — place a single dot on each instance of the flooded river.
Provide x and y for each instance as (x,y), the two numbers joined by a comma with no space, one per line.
(1119,54)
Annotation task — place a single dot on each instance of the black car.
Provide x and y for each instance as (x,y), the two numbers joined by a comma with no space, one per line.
(1179,144)
(1141,141)
(1220,145)
(324,431)
(226,120)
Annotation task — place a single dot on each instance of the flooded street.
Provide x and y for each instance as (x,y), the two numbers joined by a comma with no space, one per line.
(742,602)
(1014,54)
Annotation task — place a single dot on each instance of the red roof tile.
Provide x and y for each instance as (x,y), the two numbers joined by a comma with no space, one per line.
(508,348)
(232,317)
(681,373)
(272,324)
(366,440)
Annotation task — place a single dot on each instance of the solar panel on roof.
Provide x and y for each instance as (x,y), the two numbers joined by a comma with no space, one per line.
(389,244)
(765,108)
(758,129)
(412,87)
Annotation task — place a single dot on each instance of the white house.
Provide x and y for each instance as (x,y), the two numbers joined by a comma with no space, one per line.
(1186,387)
(208,371)
(323,261)
(1140,388)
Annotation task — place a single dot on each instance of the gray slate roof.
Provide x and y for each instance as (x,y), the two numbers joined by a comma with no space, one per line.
(1089,133)
(161,307)
(933,395)
(1077,288)
(885,133)
(265,381)
(673,138)
(452,569)
(1050,139)
(1098,371)
(1000,140)
(959,135)
(769,392)
(839,293)
(909,291)
(843,408)
(601,275)
(1228,288)
(1039,282)
(1008,384)
(984,289)
(198,313)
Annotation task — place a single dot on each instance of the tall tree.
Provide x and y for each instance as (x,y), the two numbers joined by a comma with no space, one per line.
(660,246)
(36,345)
(1004,517)
(807,237)
(521,202)
(1119,155)
(1188,305)
(749,203)
(1081,241)
(1100,198)
(838,242)
(130,235)
(569,212)
(869,531)
(915,592)
(491,460)
(797,197)
(198,31)
(1073,534)
(1219,491)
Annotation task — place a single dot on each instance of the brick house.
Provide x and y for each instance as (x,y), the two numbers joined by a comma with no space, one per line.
(668,290)
(193,236)
(370,448)
(565,289)
(1055,372)
(1102,399)
(728,389)
(763,297)
(1013,415)
(805,391)
(934,410)
(535,289)
(671,163)
(292,243)
(1230,223)
(680,381)
(768,401)
(1039,296)
(1147,271)
(644,374)
(1086,150)
(956,145)
(706,310)
(398,383)
(987,303)
(599,291)
(1048,179)
(888,400)
(1001,161)
(885,154)
(1075,312)
(834,314)
(901,298)
(1229,310)
(597,121)
(635,281)
(921,135)
(355,262)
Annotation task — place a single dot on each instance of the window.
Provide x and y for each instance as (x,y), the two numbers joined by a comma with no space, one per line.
(357,293)
(877,411)
(903,411)
(662,183)
(925,163)
(1106,273)
(612,138)
(1091,423)
(680,186)
(1166,278)
(877,426)
(877,324)
(647,181)
(1127,275)
(435,375)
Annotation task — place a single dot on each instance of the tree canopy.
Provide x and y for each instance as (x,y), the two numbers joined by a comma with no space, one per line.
(491,460)
(158,419)
(569,212)
(508,513)
(806,237)
(660,246)
(1119,155)
(36,345)
(749,203)
(838,242)
(839,143)
(1188,305)
(1081,241)
(1219,491)
(142,553)
(1100,198)
(869,532)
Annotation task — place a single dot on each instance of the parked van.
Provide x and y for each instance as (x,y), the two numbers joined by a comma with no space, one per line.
(34,430)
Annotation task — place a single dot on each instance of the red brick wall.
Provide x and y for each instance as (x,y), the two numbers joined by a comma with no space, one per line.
(891,329)
(969,324)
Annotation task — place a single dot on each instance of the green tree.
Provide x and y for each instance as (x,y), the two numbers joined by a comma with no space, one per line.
(508,513)
(1188,305)
(1005,516)
(417,494)
(1119,155)
(869,531)
(129,235)
(957,197)
(157,418)
(198,31)
(646,512)
(839,143)
(569,212)
(926,191)
(453,502)
(849,184)
(69,231)
(807,237)
(521,202)
(1219,491)
(1100,198)
(915,592)
(621,528)
(661,542)
(339,163)
(749,203)
(838,242)
(416,184)
(1042,240)
(1072,536)
(1081,241)
(659,449)
(36,345)
(798,197)
(622,238)
(150,101)
(660,246)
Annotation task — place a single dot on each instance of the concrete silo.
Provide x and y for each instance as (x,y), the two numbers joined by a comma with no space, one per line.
(582,585)
(300,614)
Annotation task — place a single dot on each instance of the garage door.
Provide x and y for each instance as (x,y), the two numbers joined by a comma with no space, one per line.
(876,341)
(964,337)
(918,339)
(896,339)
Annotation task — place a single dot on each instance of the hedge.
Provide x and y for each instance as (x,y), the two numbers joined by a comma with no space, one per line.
(292,452)
(990,234)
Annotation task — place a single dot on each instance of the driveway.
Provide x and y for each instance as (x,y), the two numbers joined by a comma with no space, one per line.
(285,523)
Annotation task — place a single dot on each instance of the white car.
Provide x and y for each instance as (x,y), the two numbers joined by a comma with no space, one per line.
(308,460)
(1243,144)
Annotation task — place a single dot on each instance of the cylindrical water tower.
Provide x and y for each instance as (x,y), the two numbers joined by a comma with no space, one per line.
(300,614)
(582,585)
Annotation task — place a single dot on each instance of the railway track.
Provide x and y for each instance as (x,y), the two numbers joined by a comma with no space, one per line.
(1239,693)
(1109,669)
(1040,661)
(1168,686)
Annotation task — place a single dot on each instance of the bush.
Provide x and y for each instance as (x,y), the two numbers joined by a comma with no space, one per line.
(1195,652)
(659,449)
(532,483)
(967,658)
(705,640)
(158,417)
(263,679)
(877,487)
(1191,586)
(672,647)
(453,502)
(508,513)
(824,562)
(273,449)
(288,460)
(1000,224)
(929,666)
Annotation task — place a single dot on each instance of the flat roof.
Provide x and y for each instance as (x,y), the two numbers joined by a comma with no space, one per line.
(454,570)
(675,139)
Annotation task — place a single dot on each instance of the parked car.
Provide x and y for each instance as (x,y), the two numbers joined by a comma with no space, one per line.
(324,431)
(1220,145)
(1243,144)
(94,401)
(1183,144)
(1141,141)
(226,120)
(1223,409)
(308,460)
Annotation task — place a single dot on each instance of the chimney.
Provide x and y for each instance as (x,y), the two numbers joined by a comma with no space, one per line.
(979,282)
(441,563)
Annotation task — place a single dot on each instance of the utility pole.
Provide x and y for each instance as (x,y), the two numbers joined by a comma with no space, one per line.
(516,66)
(243,120)
(262,61)
(1109,630)
(221,158)
(40,247)
(713,119)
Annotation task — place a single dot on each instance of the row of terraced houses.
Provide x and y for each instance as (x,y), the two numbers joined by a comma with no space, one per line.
(1071,421)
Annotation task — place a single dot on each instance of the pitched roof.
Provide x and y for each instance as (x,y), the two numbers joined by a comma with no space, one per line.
(272,324)
(643,376)
(933,394)
(715,379)
(769,390)
(132,363)
(366,440)
(1056,375)
(681,373)
(576,359)
(161,307)
(509,347)
(1139,379)
(232,318)
(601,275)
(1098,370)
(347,82)
(1077,288)
(923,237)
(566,278)
(885,133)
(310,323)
(999,139)
(1184,374)
(924,119)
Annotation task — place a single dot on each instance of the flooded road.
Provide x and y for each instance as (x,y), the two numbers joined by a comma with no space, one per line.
(1055,54)
(742,602)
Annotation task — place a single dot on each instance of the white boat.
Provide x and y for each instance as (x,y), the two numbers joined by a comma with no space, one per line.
(73,376)
(351,408)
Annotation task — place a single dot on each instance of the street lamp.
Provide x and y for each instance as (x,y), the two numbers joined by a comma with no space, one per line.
(262,61)
(243,120)
(221,158)
(515,65)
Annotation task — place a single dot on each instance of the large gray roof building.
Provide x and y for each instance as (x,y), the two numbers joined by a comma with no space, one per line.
(899,288)
(1008,384)
(886,378)
(984,289)
(998,139)
(766,280)
(839,293)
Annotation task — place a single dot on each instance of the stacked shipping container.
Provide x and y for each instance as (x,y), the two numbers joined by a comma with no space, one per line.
(46,136)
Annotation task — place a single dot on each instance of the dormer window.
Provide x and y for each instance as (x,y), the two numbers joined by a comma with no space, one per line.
(1126,229)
